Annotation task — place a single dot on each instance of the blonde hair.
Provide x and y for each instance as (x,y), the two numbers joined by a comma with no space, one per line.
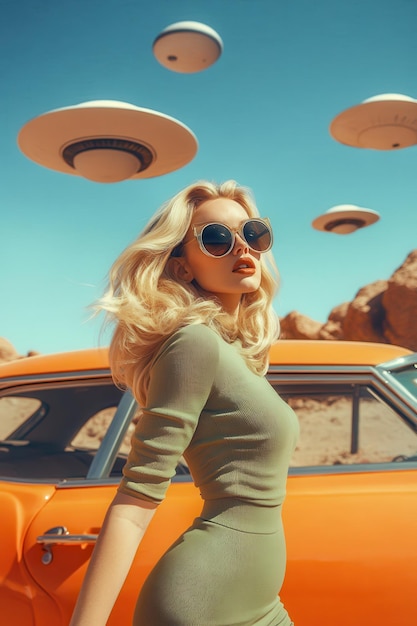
(149,302)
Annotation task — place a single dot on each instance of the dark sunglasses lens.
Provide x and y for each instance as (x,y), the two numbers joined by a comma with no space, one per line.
(258,235)
(216,239)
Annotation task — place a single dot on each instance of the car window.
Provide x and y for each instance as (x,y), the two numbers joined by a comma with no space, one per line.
(383,435)
(408,377)
(325,422)
(14,411)
(349,427)
(52,431)
(91,434)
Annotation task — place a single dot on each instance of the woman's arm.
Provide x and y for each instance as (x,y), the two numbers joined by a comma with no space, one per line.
(124,526)
(182,377)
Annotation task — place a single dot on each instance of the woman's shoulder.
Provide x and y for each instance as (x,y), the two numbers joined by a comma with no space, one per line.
(197,331)
(193,339)
(195,335)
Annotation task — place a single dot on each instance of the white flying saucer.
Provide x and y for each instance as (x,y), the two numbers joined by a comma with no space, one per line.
(344,219)
(187,47)
(384,122)
(108,141)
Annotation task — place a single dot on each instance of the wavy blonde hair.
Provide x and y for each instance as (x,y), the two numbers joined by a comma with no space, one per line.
(148,302)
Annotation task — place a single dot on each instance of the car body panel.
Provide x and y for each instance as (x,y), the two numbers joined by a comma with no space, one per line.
(81,510)
(348,549)
(21,599)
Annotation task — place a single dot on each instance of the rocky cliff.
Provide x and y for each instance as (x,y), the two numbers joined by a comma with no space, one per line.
(384,311)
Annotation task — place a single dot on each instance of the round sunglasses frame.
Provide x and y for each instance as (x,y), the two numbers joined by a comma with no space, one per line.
(199,230)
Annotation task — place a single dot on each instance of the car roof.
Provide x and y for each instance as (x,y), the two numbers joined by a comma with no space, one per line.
(311,352)
(78,360)
(284,352)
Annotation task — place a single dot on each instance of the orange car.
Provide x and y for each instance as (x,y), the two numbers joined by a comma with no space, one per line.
(350,514)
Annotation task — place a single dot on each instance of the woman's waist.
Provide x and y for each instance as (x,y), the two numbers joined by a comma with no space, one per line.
(243,515)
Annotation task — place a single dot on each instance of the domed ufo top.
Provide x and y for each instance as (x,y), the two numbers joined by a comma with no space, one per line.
(384,122)
(187,47)
(108,141)
(344,219)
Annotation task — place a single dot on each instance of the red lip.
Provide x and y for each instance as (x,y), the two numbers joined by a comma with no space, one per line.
(244,264)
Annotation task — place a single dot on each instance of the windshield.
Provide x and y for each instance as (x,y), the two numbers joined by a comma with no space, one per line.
(408,378)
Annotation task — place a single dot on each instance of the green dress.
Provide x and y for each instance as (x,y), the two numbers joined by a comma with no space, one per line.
(237,436)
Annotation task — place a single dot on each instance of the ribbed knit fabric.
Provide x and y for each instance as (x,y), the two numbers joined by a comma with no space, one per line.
(237,436)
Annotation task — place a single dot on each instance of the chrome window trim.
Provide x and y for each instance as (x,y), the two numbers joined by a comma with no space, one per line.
(315,470)
(106,454)
(399,363)
(5,383)
(385,372)
(368,468)
(320,369)
(33,385)
(107,482)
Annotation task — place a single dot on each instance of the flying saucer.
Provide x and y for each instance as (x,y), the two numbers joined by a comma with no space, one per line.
(344,219)
(187,47)
(108,141)
(384,122)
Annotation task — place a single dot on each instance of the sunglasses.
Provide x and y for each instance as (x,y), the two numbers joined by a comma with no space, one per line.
(218,240)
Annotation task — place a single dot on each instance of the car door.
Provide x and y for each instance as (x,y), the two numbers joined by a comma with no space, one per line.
(58,568)
(20,597)
(352,549)
(60,539)
(41,418)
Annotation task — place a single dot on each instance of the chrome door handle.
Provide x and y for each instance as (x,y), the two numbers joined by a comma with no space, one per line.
(59,535)
(62,540)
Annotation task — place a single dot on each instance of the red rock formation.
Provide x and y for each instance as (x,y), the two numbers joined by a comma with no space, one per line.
(298,326)
(383,311)
(400,304)
(333,329)
(7,351)
(365,315)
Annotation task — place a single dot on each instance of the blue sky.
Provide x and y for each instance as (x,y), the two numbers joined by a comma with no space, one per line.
(261,115)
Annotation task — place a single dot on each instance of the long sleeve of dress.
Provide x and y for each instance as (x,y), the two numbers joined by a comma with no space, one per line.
(180,383)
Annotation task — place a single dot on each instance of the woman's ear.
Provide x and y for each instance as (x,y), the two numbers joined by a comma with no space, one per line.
(179,269)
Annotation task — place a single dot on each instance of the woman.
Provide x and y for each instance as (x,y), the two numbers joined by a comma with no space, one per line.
(192,298)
